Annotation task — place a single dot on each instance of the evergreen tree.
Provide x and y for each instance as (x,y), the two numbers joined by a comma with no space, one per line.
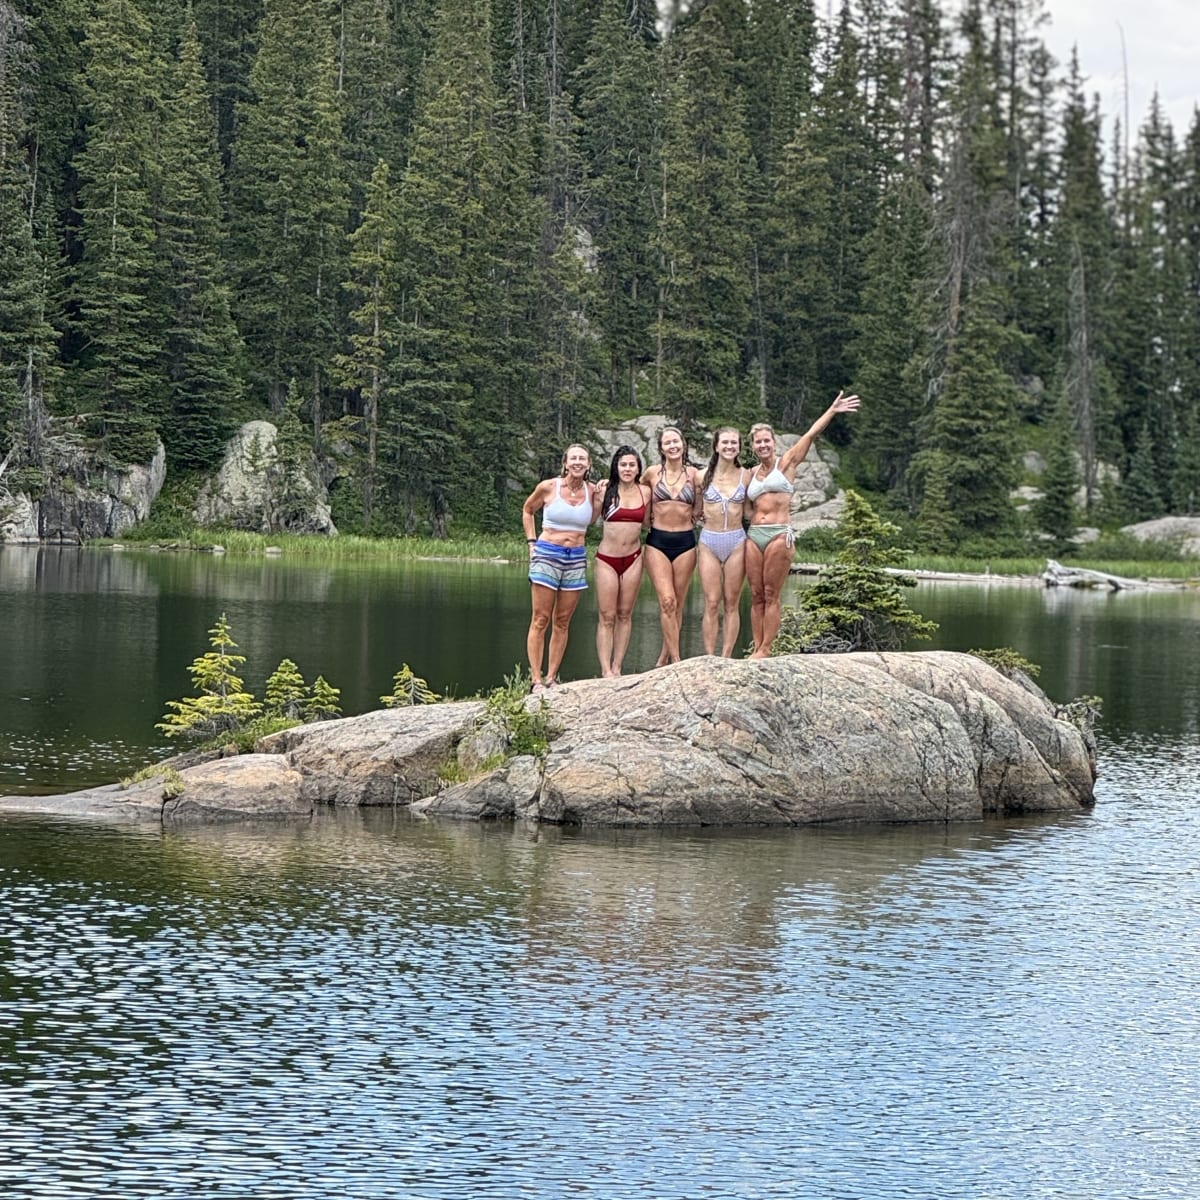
(436,434)
(1082,279)
(118,286)
(288,200)
(619,107)
(856,603)
(221,704)
(892,332)
(54,30)
(842,139)
(323,701)
(226,29)
(970,443)
(704,275)
(371,87)
(1141,499)
(362,371)
(793,286)
(286,692)
(27,339)
(1054,513)
(203,349)
(780,44)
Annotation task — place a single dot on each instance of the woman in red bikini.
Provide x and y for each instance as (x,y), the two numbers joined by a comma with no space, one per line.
(624,506)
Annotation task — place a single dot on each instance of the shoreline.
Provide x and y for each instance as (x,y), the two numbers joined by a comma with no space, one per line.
(500,553)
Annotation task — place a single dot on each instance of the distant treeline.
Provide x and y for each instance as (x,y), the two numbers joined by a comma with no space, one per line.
(440,240)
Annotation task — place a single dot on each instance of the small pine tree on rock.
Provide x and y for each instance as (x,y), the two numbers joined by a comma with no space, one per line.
(322,703)
(856,602)
(286,692)
(221,704)
(408,689)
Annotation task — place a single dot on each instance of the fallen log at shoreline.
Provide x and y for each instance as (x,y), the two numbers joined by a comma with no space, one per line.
(1057,575)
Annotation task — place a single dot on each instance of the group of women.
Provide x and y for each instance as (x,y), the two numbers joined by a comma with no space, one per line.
(745,534)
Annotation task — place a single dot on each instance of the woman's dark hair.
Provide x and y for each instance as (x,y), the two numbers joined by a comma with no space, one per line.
(712,462)
(612,493)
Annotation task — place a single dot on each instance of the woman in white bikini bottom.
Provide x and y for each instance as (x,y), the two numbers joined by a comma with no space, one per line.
(722,542)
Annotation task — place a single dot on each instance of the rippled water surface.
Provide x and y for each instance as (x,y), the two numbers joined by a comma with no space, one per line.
(373,1007)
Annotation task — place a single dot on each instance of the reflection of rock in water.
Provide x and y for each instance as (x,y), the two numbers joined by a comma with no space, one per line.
(791,741)
(73,570)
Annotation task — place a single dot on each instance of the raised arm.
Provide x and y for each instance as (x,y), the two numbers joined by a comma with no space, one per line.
(797,453)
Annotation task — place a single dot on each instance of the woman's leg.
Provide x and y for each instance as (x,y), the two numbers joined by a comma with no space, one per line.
(626,599)
(682,570)
(659,568)
(608,588)
(754,576)
(535,642)
(735,577)
(711,581)
(777,560)
(560,624)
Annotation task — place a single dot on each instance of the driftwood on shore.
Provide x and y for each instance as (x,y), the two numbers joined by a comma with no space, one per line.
(1057,575)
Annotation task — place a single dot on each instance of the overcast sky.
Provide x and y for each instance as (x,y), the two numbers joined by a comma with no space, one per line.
(1162,49)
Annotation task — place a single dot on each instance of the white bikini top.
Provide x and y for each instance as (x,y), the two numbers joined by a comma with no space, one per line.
(564,516)
(776,481)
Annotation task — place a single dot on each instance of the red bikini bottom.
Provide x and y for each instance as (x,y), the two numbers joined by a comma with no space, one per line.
(620,562)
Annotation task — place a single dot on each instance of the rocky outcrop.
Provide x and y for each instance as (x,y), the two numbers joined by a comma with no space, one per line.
(82,498)
(794,740)
(1183,531)
(257,489)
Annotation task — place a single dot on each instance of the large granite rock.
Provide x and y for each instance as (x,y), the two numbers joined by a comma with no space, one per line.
(1185,531)
(255,489)
(84,498)
(245,787)
(795,740)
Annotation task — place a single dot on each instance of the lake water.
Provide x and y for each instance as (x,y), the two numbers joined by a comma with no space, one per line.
(369,1006)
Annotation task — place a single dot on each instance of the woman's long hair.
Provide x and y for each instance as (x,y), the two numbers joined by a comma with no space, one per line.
(712,462)
(612,493)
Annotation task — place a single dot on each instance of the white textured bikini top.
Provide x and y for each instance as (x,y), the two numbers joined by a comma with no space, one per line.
(776,481)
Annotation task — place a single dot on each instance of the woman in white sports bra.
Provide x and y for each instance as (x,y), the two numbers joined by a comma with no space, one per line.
(722,553)
(557,560)
(769,494)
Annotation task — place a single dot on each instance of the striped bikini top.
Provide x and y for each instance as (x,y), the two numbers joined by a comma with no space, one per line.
(564,516)
(687,493)
(737,496)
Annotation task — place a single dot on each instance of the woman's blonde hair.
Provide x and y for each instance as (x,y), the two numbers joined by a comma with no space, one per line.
(760,425)
(575,446)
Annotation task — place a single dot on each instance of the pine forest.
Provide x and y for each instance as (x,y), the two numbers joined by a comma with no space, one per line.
(435,241)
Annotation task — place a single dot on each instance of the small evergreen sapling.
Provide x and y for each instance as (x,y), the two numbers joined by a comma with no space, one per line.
(286,692)
(408,689)
(855,603)
(221,704)
(322,703)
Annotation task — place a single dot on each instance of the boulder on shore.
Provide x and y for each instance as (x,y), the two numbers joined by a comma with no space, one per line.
(801,739)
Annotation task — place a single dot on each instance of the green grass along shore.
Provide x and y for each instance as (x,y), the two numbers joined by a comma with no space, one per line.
(347,548)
